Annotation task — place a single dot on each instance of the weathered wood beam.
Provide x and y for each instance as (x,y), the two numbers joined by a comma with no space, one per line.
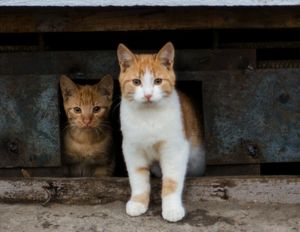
(41,19)
(211,170)
(268,189)
(105,62)
(231,170)
(101,3)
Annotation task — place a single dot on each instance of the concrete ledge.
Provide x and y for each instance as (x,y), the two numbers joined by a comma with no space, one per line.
(267,189)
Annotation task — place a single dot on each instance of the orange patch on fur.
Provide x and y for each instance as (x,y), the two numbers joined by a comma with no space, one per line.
(157,146)
(191,121)
(169,186)
(143,170)
(141,198)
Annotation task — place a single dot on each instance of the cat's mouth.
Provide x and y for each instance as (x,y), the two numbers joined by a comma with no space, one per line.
(87,126)
(148,102)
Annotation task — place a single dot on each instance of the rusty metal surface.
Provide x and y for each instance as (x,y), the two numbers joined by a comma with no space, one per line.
(252,116)
(29,122)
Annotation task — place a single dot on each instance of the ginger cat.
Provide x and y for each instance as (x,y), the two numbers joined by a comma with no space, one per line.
(159,124)
(87,137)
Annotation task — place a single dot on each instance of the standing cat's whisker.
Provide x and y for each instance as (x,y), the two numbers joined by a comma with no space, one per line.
(157,132)
(67,127)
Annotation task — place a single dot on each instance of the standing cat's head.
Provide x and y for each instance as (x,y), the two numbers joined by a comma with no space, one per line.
(146,78)
(87,106)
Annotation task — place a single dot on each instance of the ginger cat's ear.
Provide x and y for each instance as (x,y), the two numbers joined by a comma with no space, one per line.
(166,55)
(68,87)
(125,56)
(106,86)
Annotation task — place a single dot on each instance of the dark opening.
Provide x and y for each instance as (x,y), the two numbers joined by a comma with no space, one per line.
(280,168)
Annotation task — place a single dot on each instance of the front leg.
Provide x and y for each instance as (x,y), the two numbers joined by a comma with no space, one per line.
(139,179)
(174,158)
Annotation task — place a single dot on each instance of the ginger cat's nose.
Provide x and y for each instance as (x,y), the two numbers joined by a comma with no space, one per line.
(87,121)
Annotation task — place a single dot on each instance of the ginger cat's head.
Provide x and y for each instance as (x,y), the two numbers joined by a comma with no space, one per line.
(87,106)
(146,78)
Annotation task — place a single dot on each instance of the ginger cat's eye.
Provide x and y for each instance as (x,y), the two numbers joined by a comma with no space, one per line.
(157,81)
(77,110)
(96,109)
(136,82)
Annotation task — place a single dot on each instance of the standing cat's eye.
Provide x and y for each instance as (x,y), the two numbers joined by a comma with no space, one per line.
(157,81)
(77,110)
(136,82)
(96,109)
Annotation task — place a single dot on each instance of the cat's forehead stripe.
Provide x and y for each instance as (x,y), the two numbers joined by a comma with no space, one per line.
(90,96)
(86,96)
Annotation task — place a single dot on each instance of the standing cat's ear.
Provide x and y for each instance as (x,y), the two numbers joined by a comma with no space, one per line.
(106,86)
(166,55)
(68,87)
(125,57)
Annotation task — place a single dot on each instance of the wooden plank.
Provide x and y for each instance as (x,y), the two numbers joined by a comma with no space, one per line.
(37,63)
(211,170)
(29,125)
(267,189)
(105,62)
(265,45)
(217,59)
(145,18)
(103,3)
(252,116)
(61,171)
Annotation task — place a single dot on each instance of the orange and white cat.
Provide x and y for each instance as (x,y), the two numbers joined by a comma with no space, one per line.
(87,137)
(159,125)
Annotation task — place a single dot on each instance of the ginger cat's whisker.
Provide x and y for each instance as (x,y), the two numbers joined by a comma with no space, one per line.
(115,108)
(87,136)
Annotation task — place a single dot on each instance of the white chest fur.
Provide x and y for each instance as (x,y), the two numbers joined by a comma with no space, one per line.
(144,125)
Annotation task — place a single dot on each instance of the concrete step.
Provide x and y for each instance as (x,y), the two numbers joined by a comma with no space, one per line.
(205,216)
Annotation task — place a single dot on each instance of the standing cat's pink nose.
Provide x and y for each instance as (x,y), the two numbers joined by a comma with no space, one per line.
(148,96)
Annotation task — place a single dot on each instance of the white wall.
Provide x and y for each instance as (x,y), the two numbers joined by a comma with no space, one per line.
(95,3)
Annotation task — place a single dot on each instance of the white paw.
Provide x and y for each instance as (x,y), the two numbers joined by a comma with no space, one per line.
(173,214)
(135,208)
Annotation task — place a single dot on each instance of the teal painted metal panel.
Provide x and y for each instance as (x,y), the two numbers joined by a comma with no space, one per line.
(29,121)
(252,116)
